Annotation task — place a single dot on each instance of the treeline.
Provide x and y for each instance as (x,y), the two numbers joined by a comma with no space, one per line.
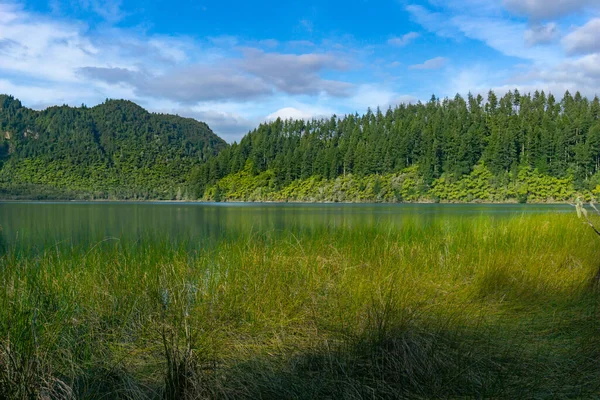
(114,150)
(517,147)
(493,149)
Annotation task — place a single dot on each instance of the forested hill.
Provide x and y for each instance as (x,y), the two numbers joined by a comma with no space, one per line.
(530,147)
(113,150)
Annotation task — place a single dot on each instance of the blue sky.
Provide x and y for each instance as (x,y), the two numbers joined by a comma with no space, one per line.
(234,64)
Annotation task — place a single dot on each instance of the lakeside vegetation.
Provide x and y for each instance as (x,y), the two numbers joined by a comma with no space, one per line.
(526,186)
(452,307)
(516,148)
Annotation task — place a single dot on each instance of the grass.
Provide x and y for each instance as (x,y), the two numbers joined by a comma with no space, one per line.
(455,308)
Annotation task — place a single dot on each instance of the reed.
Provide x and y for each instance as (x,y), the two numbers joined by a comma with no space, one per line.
(473,307)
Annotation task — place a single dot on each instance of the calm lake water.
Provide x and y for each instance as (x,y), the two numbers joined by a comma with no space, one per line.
(42,224)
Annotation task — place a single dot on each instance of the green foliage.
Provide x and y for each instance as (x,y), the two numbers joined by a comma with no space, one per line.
(514,148)
(523,148)
(405,186)
(113,150)
(525,185)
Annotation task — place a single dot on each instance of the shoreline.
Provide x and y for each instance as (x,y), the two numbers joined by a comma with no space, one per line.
(278,202)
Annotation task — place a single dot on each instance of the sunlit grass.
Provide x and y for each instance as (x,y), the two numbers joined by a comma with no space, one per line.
(474,307)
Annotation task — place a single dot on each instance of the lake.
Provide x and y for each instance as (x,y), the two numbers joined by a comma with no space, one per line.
(42,224)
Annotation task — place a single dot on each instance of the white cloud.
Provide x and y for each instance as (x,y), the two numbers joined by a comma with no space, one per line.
(300,110)
(234,83)
(548,9)
(290,112)
(404,39)
(432,21)
(581,74)
(372,96)
(541,34)
(297,74)
(38,42)
(505,36)
(477,78)
(38,96)
(585,39)
(434,63)
(544,67)
(485,23)
(45,61)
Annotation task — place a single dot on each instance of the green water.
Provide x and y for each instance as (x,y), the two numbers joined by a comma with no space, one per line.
(43,224)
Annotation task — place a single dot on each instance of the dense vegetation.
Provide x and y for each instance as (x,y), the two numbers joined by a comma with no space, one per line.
(516,148)
(458,307)
(113,150)
(525,148)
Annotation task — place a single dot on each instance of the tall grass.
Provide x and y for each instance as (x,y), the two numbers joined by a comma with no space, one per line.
(474,307)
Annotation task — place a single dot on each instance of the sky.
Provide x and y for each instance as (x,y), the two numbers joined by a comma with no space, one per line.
(234,64)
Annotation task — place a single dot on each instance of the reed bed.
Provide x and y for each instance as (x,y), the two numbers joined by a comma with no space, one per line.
(470,307)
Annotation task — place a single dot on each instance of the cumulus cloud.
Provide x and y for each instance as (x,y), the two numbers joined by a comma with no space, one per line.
(39,97)
(202,83)
(373,95)
(404,39)
(545,67)
(299,110)
(111,75)
(580,74)
(233,83)
(484,23)
(191,84)
(585,68)
(434,63)
(541,34)
(548,9)
(156,66)
(255,75)
(297,74)
(585,39)
(46,60)
(289,113)
(32,42)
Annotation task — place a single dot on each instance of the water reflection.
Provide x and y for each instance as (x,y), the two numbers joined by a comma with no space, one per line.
(41,224)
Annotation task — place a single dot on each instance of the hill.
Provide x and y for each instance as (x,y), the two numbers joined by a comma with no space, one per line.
(518,147)
(515,148)
(113,150)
